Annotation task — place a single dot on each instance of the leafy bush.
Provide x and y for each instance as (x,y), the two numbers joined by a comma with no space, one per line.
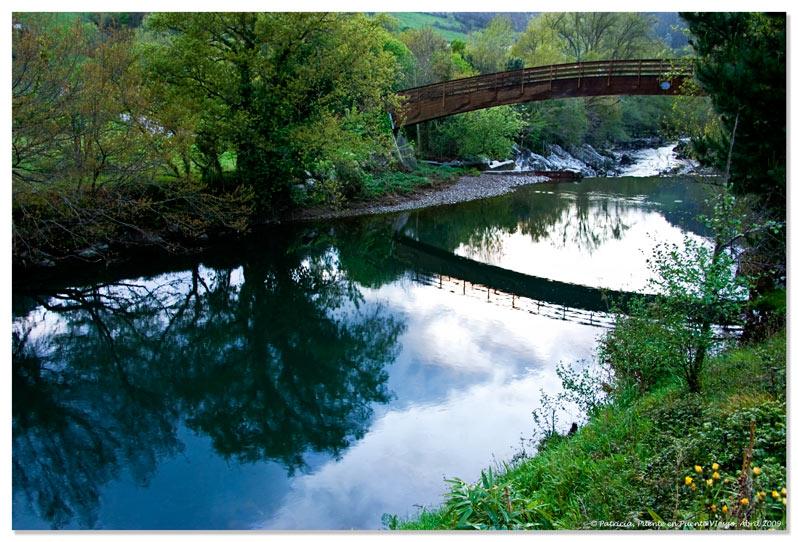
(639,350)
(400,182)
(350,177)
(492,503)
(485,133)
(564,122)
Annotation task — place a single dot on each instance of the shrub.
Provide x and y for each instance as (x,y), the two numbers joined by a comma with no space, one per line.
(492,503)
(484,133)
(639,350)
(350,177)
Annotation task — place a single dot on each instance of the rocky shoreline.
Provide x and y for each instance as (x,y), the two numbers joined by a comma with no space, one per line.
(466,188)
(639,158)
(499,178)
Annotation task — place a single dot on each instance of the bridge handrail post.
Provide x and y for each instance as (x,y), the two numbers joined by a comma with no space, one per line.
(639,70)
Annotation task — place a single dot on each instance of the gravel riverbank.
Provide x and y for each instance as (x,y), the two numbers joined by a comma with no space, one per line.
(466,188)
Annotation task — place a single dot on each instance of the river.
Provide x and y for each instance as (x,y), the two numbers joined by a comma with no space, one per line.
(323,374)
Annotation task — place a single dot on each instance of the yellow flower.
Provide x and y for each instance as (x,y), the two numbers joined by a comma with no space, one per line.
(774,494)
(761,495)
(757,471)
(709,482)
(688,480)
(784,501)
(716,475)
(699,469)
(715,466)
(784,491)
(692,486)
(714,508)
(744,501)
(725,509)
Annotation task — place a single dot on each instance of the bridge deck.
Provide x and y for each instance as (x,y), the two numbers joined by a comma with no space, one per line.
(599,78)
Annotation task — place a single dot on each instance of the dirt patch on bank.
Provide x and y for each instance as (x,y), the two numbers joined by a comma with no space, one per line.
(467,188)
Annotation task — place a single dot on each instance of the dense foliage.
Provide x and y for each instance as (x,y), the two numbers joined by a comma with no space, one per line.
(284,91)
(261,112)
(742,66)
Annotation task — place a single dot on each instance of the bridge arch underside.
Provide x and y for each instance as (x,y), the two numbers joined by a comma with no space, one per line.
(438,103)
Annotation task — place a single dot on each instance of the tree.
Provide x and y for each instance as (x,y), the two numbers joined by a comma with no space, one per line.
(489,49)
(431,53)
(483,133)
(698,287)
(563,122)
(80,106)
(742,66)
(601,35)
(539,44)
(89,145)
(263,78)
(45,81)
(553,38)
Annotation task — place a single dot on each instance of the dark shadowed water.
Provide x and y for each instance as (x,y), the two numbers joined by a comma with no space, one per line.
(325,374)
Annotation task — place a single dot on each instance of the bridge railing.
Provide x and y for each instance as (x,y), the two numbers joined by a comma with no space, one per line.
(664,68)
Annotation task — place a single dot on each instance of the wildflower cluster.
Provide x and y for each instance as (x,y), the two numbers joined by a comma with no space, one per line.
(744,497)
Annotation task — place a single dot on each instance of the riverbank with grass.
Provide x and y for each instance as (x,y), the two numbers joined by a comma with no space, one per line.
(667,458)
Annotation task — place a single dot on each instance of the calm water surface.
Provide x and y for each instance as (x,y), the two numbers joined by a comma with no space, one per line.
(320,377)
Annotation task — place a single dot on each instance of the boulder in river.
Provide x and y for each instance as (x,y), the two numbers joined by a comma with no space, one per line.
(503,165)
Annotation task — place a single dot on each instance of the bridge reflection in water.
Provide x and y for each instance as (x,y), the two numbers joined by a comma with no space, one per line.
(561,300)
(554,299)
(516,302)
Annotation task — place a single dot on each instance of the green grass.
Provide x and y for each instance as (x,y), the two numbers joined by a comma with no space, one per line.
(449,28)
(398,182)
(629,462)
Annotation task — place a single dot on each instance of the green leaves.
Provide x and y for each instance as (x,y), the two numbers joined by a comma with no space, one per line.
(742,66)
(492,503)
(282,90)
(488,133)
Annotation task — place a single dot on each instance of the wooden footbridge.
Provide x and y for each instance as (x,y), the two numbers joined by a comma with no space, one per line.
(652,77)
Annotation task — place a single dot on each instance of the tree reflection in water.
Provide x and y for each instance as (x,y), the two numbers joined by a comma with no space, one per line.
(272,360)
(579,215)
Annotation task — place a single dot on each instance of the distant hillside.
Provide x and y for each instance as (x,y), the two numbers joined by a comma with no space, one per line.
(457,25)
(479,20)
(443,23)
(671,29)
